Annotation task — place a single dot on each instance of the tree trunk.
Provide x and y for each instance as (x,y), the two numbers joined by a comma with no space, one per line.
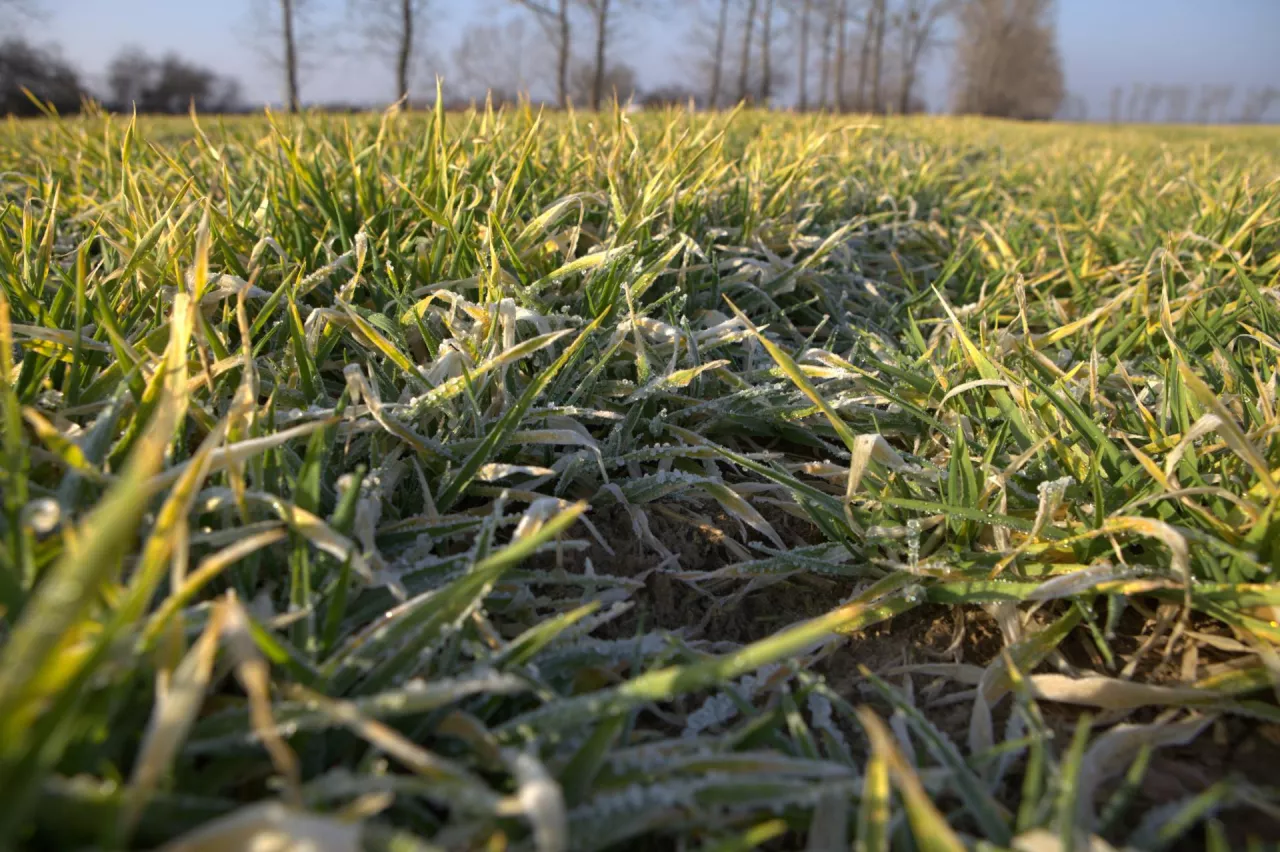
(864,60)
(602,38)
(842,52)
(406,51)
(914,34)
(766,53)
(916,28)
(744,63)
(824,83)
(804,54)
(717,68)
(290,57)
(918,22)
(908,81)
(877,55)
(562,56)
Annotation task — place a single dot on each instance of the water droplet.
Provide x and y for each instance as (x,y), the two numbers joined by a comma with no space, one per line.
(913,543)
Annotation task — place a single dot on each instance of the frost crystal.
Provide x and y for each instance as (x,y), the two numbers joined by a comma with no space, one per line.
(820,712)
(721,707)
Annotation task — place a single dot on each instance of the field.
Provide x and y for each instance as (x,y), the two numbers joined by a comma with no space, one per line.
(505,481)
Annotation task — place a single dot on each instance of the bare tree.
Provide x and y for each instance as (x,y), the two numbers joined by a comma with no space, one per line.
(875,32)
(806,12)
(393,27)
(1117,99)
(1258,103)
(1135,99)
(1212,106)
(555,22)
(744,59)
(288,24)
(602,13)
(1178,98)
(1155,94)
(917,23)
(737,48)
(409,10)
(824,81)
(1007,60)
(766,53)
(289,33)
(864,59)
(840,22)
(599,10)
(1222,100)
(493,59)
(1212,98)
(717,59)
(1202,107)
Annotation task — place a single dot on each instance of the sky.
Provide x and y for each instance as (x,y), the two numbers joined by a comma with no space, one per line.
(1104,44)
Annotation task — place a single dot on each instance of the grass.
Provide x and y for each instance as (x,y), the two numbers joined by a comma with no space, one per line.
(609,481)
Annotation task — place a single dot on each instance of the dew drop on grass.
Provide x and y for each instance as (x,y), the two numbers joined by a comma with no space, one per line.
(913,543)
(42,516)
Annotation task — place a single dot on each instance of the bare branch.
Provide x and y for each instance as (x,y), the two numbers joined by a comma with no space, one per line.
(397,30)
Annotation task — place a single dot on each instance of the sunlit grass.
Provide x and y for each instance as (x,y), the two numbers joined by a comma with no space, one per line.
(351,467)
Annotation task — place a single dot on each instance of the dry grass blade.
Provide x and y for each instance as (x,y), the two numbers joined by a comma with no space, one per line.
(254,675)
(1114,751)
(179,695)
(1107,693)
(543,803)
(274,827)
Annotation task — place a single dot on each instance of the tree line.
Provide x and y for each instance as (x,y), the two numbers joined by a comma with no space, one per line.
(1179,103)
(833,55)
(165,84)
(839,55)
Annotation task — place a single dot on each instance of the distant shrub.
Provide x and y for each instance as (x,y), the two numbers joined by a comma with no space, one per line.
(43,73)
(168,85)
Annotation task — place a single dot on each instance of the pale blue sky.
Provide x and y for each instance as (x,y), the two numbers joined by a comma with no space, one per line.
(1104,43)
